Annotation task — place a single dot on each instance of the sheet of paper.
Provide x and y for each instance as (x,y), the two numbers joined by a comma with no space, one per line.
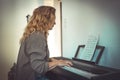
(89,49)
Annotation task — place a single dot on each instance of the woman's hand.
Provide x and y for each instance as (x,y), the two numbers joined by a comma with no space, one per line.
(54,62)
(64,63)
(53,59)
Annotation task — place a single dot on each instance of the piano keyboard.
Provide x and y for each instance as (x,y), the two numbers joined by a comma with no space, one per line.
(82,70)
(79,72)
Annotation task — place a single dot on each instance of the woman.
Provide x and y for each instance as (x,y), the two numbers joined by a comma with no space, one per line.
(33,58)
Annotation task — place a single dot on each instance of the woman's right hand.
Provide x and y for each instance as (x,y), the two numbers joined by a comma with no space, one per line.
(56,62)
(64,63)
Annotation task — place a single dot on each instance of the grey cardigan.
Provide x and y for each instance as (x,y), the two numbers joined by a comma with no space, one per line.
(33,57)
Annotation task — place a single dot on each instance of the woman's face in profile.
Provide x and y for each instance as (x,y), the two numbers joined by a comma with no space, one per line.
(52,23)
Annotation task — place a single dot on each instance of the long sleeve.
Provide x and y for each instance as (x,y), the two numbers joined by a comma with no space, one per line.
(36,48)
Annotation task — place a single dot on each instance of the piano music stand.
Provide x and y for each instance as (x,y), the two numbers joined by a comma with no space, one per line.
(98,47)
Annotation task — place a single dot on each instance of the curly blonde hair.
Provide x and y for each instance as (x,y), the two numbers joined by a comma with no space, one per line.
(39,21)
